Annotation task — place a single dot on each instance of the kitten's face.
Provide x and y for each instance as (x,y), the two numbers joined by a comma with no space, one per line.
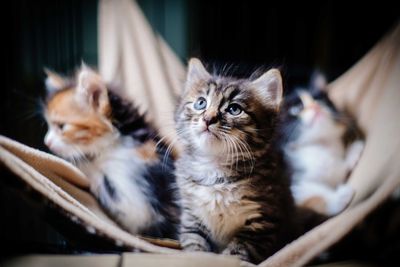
(222,116)
(77,116)
(311,117)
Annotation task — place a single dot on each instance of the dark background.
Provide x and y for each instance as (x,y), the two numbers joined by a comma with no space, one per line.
(58,34)
(331,35)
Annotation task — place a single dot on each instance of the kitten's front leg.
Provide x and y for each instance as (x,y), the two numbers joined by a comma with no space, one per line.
(237,248)
(254,243)
(193,235)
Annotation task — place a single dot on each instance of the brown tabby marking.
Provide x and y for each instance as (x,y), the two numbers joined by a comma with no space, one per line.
(235,197)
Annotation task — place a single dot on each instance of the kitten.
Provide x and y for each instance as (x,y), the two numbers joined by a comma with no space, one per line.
(106,137)
(234,198)
(313,133)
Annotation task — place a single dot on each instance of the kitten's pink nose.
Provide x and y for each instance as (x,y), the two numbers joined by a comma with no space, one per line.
(210,120)
(314,107)
(317,109)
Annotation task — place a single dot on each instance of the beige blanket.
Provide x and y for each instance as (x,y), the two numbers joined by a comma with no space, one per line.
(152,75)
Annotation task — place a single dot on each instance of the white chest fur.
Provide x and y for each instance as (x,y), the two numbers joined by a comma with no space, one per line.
(124,170)
(319,163)
(222,209)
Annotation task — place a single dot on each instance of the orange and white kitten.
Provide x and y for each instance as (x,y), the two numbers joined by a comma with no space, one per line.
(104,135)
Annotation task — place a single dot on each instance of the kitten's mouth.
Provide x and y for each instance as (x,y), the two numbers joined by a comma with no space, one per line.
(208,132)
(316,117)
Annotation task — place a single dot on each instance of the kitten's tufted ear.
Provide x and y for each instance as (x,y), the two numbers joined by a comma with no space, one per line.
(196,73)
(91,90)
(318,81)
(54,82)
(269,88)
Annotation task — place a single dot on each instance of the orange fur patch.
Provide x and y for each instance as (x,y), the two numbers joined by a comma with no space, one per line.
(82,123)
(148,151)
(316,203)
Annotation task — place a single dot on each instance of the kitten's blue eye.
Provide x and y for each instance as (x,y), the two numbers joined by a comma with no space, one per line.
(200,104)
(295,110)
(234,109)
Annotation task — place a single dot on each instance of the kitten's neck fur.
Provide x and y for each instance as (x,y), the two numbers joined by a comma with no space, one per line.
(213,169)
(210,169)
(116,177)
(119,142)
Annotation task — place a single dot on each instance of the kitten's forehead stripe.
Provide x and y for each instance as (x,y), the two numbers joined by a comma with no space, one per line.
(211,87)
(221,104)
(218,87)
(234,92)
(221,93)
(212,84)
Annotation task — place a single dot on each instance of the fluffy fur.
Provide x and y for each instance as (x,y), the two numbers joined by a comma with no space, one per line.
(105,136)
(316,151)
(235,200)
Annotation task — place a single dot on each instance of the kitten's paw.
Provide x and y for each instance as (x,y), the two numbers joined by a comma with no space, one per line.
(354,153)
(344,195)
(195,247)
(238,250)
(193,242)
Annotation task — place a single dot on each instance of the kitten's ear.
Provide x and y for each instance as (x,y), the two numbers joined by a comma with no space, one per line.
(92,91)
(196,73)
(318,81)
(54,82)
(269,88)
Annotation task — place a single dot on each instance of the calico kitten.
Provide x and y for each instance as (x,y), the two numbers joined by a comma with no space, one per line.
(234,198)
(320,159)
(106,137)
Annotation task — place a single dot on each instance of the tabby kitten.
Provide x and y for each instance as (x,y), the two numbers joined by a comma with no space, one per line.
(234,198)
(106,137)
(317,148)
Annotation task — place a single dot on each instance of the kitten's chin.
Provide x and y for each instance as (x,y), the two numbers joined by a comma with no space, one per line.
(325,128)
(65,153)
(73,153)
(209,143)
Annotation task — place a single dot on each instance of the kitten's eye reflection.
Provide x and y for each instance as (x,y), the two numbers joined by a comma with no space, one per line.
(294,111)
(200,104)
(234,109)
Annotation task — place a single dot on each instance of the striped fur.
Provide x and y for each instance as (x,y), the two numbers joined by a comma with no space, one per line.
(234,198)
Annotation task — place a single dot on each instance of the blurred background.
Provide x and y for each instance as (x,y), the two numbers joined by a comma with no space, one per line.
(58,34)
